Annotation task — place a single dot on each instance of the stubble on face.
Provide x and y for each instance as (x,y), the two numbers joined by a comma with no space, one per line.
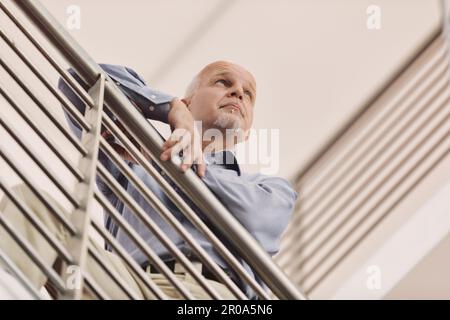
(227,120)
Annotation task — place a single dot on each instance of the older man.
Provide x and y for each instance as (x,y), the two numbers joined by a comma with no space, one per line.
(222,98)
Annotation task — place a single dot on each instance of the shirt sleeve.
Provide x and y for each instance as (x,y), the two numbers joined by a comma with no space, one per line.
(133,86)
(262,204)
(152,103)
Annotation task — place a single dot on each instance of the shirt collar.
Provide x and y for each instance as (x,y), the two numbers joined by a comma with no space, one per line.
(225,159)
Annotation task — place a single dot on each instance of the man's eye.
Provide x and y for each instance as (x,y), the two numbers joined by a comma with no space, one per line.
(249,94)
(222,81)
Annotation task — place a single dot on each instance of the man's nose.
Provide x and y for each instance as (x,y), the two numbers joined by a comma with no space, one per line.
(236,92)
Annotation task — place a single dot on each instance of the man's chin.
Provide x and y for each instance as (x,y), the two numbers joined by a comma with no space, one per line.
(227,122)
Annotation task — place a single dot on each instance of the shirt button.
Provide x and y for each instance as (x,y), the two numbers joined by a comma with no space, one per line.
(151,108)
(163,173)
(118,83)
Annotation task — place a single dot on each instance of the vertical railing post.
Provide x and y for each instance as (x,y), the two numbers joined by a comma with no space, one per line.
(84,193)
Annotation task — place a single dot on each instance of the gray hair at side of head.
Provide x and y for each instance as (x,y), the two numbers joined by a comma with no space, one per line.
(193,86)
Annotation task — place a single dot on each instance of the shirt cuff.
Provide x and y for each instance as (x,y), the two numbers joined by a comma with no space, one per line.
(156,104)
(158,112)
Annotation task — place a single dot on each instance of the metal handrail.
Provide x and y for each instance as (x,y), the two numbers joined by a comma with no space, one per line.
(176,198)
(231,230)
(156,203)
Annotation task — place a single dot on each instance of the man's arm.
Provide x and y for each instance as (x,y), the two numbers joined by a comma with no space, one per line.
(153,105)
(262,204)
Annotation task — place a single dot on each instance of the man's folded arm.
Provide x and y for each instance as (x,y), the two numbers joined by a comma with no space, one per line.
(153,104)
(131,84)
(262,204)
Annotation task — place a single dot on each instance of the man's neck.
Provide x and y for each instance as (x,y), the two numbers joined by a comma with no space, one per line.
(227,141)
(214,146)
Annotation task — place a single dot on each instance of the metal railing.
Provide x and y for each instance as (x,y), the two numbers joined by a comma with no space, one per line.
(370,166)
(50,42)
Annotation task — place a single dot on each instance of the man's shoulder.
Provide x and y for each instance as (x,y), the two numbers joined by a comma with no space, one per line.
(269,180)
(115,71)
(265,177)
(122,72)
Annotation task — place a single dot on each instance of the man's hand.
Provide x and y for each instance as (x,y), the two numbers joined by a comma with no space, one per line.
(185,137)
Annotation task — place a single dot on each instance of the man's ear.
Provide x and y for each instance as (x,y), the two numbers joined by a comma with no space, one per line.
(186,101)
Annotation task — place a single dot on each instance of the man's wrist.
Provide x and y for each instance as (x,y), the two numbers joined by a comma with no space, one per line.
(176,105)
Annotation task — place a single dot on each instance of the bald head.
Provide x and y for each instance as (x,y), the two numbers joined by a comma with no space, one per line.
(217,67)
(222,96)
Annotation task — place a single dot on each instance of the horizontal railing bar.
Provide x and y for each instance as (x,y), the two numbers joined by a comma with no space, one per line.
(178,201)
(151,255)
(154,229)
(167,215)
(184,208)
(112,273)
(20,141)
(94,287)
(74,113)
(44,109)
(60,217)
(62,72)
(33,255)
(41,135)
(40,227)
(137,269)
(18,274)
(218,215)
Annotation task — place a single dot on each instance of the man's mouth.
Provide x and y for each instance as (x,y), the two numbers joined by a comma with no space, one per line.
(234,108)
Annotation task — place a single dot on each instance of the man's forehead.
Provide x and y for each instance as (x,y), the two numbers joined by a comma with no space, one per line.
(228,69)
